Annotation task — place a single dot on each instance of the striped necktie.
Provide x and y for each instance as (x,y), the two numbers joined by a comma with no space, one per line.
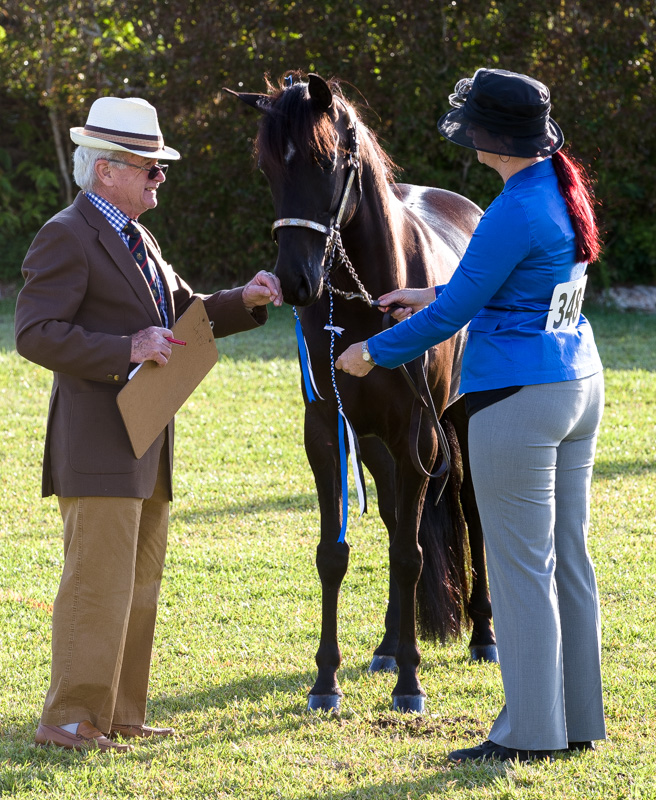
(138,250)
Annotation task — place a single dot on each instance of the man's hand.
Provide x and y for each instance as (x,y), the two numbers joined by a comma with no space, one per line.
(408,301)
(352,363)
(262,289)
(151,345)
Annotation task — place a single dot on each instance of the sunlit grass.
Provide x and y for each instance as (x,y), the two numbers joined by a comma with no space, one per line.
(240,610)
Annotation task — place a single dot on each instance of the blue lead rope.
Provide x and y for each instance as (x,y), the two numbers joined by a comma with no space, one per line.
(344,427)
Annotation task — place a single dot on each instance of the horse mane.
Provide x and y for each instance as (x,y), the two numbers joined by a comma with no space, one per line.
(290,117)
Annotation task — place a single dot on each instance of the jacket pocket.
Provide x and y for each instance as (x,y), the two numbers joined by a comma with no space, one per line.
(97,440)
(484,323)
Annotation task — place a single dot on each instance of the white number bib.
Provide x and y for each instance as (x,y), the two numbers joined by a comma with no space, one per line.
(565,307)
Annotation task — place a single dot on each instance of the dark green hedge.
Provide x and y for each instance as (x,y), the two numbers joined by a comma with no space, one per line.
(399,66)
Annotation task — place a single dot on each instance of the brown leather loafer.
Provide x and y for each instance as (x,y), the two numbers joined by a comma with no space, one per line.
(87,738)
(139,731)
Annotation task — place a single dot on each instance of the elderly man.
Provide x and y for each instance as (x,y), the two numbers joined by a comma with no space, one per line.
(99,299)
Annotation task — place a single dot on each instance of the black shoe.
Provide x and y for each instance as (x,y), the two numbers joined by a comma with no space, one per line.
(575,747)
(490,750)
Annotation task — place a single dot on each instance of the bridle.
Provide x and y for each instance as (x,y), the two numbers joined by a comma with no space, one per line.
(336,254)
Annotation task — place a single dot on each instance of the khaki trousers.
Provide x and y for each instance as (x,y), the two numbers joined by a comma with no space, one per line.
(104,614)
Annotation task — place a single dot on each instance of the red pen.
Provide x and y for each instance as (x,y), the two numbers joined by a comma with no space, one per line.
(174,341)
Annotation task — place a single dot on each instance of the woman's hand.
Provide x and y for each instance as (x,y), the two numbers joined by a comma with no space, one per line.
(352,363)
(408,301)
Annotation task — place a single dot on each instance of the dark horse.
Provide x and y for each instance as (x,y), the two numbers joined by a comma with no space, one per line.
(346,234)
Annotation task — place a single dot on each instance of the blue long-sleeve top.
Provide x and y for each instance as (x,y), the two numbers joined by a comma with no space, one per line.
(522,248)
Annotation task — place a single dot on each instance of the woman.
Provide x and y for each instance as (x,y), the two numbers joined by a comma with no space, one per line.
(534,391)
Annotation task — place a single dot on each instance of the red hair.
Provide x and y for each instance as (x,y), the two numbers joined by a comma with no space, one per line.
(575,186)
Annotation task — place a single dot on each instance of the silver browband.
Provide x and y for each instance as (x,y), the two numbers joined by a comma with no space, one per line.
(294,222)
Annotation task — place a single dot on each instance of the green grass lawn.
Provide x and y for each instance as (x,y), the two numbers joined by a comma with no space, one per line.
(240,610)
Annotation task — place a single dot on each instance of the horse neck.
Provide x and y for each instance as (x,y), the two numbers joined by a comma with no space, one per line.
(373,239)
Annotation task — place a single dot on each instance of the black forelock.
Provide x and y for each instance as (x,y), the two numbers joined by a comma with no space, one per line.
(292,117)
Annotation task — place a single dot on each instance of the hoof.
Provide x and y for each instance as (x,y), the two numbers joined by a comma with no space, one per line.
(382,664)
(485,652)
(413,703)
(324,702)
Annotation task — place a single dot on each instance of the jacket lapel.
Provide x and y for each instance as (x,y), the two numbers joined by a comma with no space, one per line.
(119,254)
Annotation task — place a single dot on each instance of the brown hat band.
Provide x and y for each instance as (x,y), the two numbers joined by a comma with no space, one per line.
(142,141)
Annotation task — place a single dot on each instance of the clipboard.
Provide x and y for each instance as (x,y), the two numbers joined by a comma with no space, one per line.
(150,400)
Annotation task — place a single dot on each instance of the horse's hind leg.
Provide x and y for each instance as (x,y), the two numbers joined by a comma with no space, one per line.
(482,645)
(332,559)
(380,464)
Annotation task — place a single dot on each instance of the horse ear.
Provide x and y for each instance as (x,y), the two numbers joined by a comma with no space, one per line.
(259,102)
(320,92)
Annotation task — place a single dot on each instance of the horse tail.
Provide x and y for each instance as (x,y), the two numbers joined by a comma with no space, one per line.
(443,588)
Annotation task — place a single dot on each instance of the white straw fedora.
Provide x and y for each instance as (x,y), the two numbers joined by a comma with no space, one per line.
(124,123)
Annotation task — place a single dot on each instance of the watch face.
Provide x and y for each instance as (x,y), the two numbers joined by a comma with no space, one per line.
(365,353)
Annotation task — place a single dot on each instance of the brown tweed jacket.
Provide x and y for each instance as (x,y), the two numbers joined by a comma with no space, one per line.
(82,300)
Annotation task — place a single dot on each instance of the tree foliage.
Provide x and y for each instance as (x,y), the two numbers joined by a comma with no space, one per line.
(398,62)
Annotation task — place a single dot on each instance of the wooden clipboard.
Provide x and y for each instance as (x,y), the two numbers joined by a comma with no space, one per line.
(150,400)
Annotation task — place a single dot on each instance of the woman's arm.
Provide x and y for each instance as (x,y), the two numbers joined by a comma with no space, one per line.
(500,241)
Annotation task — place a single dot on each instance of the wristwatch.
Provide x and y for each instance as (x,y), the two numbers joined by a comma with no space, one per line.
(366,355)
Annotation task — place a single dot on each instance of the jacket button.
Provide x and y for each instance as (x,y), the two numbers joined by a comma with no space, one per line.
(113,377)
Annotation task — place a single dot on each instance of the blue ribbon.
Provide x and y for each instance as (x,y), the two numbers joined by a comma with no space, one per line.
(345,427)
(343,461)
(306,369)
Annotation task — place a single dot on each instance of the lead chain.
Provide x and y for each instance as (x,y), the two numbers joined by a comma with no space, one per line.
(346,261)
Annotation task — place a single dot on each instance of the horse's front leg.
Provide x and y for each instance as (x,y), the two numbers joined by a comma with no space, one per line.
(405,564)
(380,464)
(322,449)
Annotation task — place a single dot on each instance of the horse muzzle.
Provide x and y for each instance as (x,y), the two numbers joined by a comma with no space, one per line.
(300,265)
(298,289)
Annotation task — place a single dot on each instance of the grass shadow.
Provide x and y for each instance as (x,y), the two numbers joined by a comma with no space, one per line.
(255,689)
(444,781)
(300,502)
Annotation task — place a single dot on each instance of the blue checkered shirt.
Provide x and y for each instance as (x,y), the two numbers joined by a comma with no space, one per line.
(118,220)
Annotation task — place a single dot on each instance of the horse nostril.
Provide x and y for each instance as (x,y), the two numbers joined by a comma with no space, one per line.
(297,288)
(304,292)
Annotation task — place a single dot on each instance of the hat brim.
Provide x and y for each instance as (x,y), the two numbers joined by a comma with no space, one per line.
(103,144)
(455,127)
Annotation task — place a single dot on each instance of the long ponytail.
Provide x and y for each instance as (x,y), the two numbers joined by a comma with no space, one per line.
(575,187)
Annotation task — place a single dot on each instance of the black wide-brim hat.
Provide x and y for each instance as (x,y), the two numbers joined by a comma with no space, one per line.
(502,112)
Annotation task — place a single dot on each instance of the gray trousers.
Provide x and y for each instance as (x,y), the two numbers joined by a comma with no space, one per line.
(531,457)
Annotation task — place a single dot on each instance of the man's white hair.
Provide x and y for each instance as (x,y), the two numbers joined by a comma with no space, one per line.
(84,163)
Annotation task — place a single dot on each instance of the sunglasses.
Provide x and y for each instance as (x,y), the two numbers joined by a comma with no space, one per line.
(152,171)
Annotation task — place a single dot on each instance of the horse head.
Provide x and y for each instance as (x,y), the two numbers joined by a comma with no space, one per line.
(307,146)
